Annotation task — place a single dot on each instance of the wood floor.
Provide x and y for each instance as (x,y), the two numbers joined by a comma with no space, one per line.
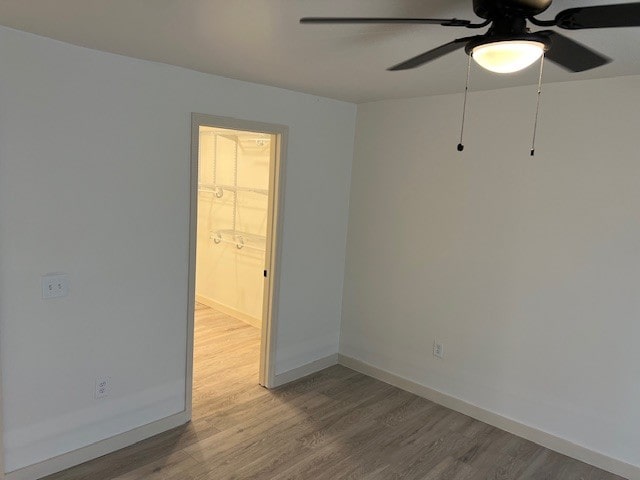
(334,425)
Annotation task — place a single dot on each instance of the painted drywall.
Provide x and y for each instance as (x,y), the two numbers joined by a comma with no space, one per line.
(525,268)
(229,268)
(94,182)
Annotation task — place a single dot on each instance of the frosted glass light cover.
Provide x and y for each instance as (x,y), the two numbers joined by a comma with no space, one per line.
(507,57)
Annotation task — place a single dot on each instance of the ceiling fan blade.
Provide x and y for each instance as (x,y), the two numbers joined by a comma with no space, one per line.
(602,16)
(572,55)
(446,22)
(431,54)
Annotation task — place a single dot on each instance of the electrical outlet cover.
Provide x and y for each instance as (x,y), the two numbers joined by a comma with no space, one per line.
(103,387)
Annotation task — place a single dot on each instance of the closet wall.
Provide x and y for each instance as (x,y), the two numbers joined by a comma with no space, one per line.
(233,183)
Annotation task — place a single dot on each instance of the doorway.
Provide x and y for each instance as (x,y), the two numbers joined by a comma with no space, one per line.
(236,185)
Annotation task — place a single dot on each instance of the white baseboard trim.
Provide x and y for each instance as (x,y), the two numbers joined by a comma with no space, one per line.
(98,449)
(535,435)
(232,312)
(304,370)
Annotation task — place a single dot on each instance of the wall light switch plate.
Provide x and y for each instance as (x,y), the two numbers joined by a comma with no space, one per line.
(55,285)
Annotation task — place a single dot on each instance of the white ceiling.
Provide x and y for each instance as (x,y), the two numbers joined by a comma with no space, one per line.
(261,41)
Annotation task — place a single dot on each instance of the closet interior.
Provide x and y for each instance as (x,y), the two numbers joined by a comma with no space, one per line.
(233,209)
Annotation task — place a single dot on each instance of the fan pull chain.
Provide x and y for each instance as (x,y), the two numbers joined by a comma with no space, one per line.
(535,125)
(464,106)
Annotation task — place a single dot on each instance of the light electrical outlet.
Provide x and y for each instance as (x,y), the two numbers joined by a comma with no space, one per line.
(55,285)
(438,350)
(103,387)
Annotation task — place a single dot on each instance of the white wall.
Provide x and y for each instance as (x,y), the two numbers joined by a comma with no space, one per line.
(526,269)
(94,181)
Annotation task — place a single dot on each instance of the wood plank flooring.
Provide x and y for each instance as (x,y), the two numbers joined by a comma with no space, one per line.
(337,424)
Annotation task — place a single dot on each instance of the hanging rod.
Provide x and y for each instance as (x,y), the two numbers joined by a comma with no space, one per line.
(214,188)
(239,136)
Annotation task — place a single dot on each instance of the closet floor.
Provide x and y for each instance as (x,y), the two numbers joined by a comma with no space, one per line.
(334,425)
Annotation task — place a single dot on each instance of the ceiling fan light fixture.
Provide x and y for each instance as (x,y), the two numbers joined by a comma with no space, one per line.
(507,56)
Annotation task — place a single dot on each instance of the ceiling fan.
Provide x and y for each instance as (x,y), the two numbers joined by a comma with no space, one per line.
(509,45)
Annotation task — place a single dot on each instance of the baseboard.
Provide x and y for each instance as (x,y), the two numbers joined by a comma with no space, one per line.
(535,435)
(304,370)
(254,322)
(98,449)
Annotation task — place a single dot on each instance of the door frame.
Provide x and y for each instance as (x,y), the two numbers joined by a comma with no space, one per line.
(272,252)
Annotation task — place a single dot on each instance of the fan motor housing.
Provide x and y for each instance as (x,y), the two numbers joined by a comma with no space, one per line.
(489,9)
